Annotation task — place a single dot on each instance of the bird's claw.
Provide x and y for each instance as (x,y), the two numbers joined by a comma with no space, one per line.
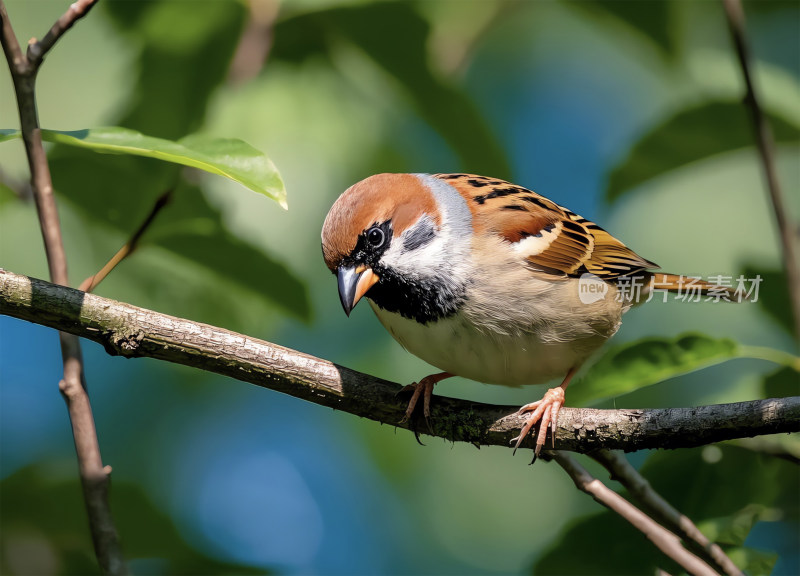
(545,413)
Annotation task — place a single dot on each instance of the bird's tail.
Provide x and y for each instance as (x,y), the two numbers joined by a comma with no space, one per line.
(694,289)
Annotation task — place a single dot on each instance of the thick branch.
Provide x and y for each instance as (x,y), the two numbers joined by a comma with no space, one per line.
(766,150)
(663,512)
(136,332)
(664,540)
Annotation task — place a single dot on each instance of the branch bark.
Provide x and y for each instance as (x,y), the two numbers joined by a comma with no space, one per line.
(136,332)
(664,540)
(94,476)
(766,150)
(663,512)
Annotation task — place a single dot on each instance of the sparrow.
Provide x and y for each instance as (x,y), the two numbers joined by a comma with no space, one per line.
(481,278)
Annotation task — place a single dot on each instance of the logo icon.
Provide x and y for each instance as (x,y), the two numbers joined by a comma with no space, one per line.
(591,288)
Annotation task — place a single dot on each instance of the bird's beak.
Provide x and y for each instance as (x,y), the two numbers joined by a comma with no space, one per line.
(354,282)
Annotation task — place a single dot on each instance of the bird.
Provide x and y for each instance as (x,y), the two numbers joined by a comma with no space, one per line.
(486,280)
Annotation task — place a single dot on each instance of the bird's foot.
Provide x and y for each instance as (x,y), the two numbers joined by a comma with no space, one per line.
(422,388)
(545,411)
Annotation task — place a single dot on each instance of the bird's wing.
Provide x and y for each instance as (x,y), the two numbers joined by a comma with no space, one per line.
(552,238)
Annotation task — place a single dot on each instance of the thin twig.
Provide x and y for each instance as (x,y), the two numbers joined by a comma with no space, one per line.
(136,332)
(94,476)
(664,540)
(766,149)
(661,510)
(90,283)
(76,11)
(16,59)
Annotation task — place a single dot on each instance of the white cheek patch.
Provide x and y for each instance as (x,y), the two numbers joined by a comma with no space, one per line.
(427,251)
(417,261)
(533,245)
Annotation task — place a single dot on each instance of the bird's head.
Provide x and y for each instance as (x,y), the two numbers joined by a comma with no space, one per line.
(390,236)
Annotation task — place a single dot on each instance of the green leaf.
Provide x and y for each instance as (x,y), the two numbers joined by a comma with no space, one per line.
(227,157)
(648,361)
(8,134)
(688,136)
(645,362)
(733,529)
(753,562)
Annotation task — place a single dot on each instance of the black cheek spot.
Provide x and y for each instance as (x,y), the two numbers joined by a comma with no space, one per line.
(517,207)
(419,236)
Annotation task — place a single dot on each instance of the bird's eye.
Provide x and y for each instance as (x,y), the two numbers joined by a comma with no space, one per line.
(375,237)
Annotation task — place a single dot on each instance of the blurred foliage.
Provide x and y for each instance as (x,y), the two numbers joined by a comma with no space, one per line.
(34,540)
(699,480)
(773,298)
(655,20)
(189,227)
(691,135)
(184,56)
(349,88)
(781,383)
(378,30)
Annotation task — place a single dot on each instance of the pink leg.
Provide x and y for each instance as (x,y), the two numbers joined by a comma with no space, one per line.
(424,386)
(546,412)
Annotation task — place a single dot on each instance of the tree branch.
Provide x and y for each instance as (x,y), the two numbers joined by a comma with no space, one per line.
(94,476)
(90,283)
(664,540)
(76,11)
(766,150)
(663,512)
(136,332)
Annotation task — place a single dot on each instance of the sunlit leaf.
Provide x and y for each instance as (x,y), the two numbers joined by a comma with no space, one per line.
(227,157)
(688,136)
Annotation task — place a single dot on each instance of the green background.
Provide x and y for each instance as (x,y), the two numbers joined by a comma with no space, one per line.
(626,112)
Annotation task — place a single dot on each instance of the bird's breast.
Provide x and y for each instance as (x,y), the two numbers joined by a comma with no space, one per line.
(520,338)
